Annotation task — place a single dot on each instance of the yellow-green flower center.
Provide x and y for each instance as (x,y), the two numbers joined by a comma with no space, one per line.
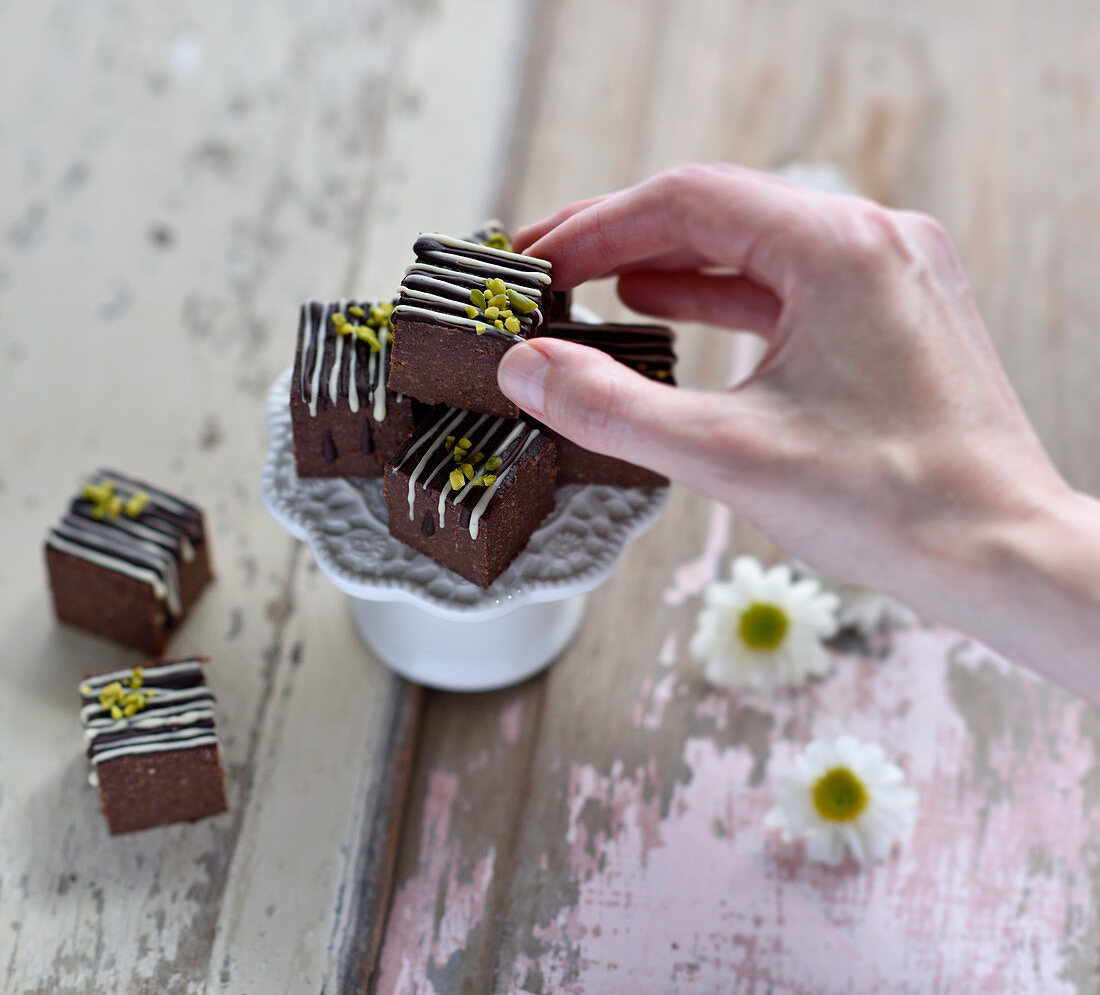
(763,626)
(839,795)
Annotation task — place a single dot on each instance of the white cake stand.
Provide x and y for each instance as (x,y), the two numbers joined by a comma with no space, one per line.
(420,619)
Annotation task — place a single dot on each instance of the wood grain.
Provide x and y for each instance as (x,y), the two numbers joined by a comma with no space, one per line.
(174,185)
(614,842)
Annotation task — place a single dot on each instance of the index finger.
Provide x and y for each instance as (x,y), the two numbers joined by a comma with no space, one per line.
(736,219)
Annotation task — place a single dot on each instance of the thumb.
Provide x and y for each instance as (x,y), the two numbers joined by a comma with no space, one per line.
(593,400)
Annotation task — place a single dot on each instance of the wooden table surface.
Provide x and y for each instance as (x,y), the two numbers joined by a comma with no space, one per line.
(174,179)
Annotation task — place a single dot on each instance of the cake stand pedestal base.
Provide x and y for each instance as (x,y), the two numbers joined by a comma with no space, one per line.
(452,654)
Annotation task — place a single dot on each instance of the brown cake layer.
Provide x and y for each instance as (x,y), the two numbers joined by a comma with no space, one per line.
(477,544)
(155,789)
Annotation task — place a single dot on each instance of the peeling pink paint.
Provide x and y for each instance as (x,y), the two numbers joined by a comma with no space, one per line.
(416,941)
(991,894)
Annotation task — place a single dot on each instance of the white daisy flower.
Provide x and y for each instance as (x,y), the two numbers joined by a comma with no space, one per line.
(843,795)
(861,608)
(764,630)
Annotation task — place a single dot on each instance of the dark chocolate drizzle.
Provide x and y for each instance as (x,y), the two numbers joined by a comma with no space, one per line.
(314,318)
(504,438)
(451,272)
(177,711)
(328,447)
(427,527)
(366,438)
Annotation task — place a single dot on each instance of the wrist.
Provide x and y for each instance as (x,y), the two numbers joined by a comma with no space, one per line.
(1028,585)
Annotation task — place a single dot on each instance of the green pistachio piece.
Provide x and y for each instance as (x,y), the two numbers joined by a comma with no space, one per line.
(477,457)
(489,479)
(137,678)
(114,508)
(98,493)
(492,312)
(661,374)
(468,470)
(471,311)
(85,689)
(493,462)
(458,481)
(499,324)
(478,298)
(339,319)
(370,336)
(116,712)
(465,443)
(496,286)
(479,328)
(449,442)
(500,302)
(512,325)
(521,302)
(137,504)
(358,311)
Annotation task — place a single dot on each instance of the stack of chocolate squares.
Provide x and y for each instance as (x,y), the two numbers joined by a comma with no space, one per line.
(406,389)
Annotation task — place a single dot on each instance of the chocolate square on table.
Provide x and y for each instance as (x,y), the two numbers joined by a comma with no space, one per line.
(647,349)
(468,490)
(127,561)
(346,422)
(460,307)
(153,745)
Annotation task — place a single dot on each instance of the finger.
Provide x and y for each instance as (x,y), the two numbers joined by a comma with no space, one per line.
(727,301)
(530,233)
(604,406)
(735,219)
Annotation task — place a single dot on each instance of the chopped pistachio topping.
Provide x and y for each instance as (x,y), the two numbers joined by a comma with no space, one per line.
(471,311)
(520,302)
(339,319)
(137,504)
(356,310)
(487,479)
(458,480)
(477,457)
(465,443)
(498,240)
(467,470)
(120,702)
(492,312)
(479,300)
(375,327)
(493,462)
(496,286)
(114,507)
(512,325)
(479,328)
(85,689)
(449,443)
(661,374)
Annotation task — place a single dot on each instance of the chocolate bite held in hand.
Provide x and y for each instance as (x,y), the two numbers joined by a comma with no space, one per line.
(469,489)
(346,423)
(153,745)
(647,349)
(127,561)
(461,306)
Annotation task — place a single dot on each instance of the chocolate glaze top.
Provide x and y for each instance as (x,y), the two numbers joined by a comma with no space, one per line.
(177,712)
(148,546)
(339,369)
(644,348)
(436,288)
(429,460)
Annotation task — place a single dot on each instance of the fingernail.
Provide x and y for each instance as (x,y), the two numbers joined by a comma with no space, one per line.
(521,374)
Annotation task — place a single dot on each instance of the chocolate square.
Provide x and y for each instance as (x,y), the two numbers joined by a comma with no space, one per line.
(473,507)
(127,561)
(153,745)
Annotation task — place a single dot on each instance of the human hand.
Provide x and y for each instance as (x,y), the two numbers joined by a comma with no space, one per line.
(878,438)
